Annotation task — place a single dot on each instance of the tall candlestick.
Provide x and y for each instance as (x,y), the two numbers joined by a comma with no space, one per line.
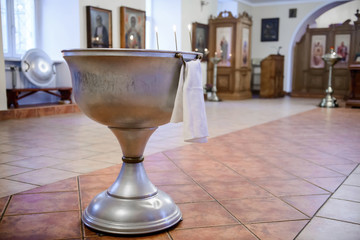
(189,27)
(157,37)
(174,28)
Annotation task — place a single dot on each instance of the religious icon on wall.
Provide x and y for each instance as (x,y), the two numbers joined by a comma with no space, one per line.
(245,47)
(99,27)
(223,45)
(318,44)
(132,28)
(342,47)
(199,43)
(269,29)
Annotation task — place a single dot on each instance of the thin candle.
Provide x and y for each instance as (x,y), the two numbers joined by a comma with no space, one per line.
(174,28)
(189,27)
(157,37)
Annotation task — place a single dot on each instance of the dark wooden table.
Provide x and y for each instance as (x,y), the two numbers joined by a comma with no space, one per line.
(14,95)
(354,96)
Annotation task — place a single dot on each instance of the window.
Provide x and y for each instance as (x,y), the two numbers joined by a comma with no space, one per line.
(18,26)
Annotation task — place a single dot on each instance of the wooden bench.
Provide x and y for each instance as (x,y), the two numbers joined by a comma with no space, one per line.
(14,95)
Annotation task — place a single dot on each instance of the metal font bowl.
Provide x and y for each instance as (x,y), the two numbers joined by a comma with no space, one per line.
(125,88)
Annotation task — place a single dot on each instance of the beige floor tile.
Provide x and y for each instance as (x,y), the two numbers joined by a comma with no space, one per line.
(353,179)
(327,229)
(7,170)
(6,147)
(82,166)
(341,210)
(37,162)
(110,157)
(4,157)
(43,176)
(357,170)
(8,187)
(32,152)
(72,154)
(351,193)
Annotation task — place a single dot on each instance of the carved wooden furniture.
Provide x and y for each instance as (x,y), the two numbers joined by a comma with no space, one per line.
(272,76)
(354,96)
(13,95)
(230,39)
(310,75)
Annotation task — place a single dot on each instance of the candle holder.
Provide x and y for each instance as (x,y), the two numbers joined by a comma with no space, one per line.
(329,101)
(213,97)
(132,92)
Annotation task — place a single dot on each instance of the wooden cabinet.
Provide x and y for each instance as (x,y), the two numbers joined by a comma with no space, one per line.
(354,96)
(272,76)
(230,40)
(311,73)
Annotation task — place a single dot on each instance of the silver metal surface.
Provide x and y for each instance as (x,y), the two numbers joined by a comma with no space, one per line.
(37,67)
(213,97)
(329,101)
(132,92)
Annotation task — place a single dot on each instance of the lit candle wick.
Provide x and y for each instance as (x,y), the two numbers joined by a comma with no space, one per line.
(157,37)
(174,28)
(189,27)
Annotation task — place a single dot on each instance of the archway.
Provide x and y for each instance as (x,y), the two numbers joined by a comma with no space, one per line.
(299,32)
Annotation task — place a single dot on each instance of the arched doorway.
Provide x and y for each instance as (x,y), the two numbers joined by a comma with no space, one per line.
(299,32)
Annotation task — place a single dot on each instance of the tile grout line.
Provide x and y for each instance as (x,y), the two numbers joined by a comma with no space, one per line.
(346,200)
(38,213)
(315,214)
(268,191)
(169,235)
(5,208)
(199,185)
(338,220)
(82,232)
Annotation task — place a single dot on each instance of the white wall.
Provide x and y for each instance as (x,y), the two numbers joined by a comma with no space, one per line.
(338,14)
(287,27)
(58,26)
(114,6)
(166,14)
(245,8)
(231,6)
(192,12)
(3,100)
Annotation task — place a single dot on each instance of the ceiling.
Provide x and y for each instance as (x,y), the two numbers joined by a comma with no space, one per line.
(270,2)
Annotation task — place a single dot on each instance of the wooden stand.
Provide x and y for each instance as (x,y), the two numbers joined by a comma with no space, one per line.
(354,96)
(272,76)
(13,95)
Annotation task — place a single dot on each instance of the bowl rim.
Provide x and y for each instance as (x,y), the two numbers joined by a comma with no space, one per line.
(129,52)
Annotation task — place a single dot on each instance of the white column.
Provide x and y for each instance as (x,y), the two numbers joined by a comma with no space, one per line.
(3,100)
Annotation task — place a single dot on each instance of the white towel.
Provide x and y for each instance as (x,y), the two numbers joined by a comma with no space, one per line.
(189,106)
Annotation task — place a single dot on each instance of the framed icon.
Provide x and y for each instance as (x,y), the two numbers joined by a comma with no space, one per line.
(99,27)
(270,29)
(132,28)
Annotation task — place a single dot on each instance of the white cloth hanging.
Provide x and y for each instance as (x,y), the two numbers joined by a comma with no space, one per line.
(189,106)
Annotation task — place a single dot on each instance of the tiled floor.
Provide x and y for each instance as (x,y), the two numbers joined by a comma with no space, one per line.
(262,179)
(39,151)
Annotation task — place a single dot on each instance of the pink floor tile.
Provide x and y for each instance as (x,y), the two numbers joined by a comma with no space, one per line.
(307,204)
(262,210)
(216,233)
(277,230)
